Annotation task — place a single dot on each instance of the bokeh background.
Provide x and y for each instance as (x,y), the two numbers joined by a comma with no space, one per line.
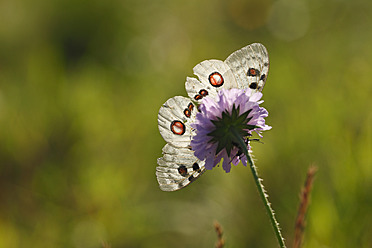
(81,83)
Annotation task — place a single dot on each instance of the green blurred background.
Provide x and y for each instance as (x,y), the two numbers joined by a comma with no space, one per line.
(81,83)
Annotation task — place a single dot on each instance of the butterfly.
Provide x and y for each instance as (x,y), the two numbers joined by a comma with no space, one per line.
(244,68)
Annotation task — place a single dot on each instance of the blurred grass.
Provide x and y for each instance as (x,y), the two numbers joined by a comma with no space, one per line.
(80,87)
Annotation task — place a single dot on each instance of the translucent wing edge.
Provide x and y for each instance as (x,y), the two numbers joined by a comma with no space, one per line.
(251,56)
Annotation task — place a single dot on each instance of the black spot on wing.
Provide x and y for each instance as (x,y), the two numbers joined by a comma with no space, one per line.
(253,85)
(263,77)
(195,167)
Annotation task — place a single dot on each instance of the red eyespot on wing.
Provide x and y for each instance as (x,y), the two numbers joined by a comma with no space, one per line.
(198,97)
(182,170)
(216,79)
(177,127)
(187,112)
(190,106)
(203,92)
(253,72)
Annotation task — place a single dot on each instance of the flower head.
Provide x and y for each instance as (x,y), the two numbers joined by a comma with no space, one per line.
(233,115)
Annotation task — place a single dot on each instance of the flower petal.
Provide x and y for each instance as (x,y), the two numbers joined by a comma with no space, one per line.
(233,108)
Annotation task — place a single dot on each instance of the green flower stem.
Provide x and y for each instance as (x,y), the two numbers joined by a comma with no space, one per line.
(260,188)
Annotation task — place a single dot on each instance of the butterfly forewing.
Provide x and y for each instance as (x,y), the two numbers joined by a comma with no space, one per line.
(177,168)
(213,75)
(250,66)
(174,119)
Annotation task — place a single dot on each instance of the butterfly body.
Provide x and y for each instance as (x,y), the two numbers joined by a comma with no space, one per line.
(245,68)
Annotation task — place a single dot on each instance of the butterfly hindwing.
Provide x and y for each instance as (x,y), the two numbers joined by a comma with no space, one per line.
(174,119)
(250,66)
(213,75)
(177,168)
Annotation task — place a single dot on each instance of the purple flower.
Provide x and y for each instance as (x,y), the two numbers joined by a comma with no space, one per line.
(233,114)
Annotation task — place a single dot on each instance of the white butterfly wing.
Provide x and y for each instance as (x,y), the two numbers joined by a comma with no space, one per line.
(213,75)
(177,168)
(250,66)
(174,120)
